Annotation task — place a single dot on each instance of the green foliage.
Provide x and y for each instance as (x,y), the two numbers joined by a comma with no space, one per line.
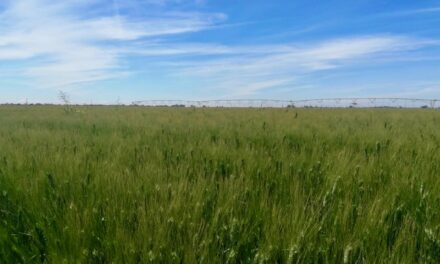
(167,185)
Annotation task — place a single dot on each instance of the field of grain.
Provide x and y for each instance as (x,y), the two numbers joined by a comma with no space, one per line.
(168,185)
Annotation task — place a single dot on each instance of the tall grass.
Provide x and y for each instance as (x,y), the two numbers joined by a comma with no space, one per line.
(162,185)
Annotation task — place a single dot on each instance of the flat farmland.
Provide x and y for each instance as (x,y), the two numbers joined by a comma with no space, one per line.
(219,185)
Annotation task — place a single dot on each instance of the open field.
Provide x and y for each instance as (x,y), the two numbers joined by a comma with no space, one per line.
(166,185)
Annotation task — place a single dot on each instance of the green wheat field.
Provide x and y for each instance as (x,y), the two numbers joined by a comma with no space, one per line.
(183,185)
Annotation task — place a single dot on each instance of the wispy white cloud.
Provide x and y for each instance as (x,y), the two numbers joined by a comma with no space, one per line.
(244,74)
(73,49)
(410,12)
(418,11)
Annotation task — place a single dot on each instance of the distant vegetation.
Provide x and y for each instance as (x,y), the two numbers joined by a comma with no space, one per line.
(204,185)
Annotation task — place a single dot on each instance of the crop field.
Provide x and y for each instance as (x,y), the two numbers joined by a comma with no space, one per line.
(183,185)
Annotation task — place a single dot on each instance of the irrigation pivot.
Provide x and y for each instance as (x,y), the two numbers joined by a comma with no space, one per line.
(367,102)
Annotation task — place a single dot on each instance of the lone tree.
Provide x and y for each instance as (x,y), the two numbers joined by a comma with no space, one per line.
(64,98)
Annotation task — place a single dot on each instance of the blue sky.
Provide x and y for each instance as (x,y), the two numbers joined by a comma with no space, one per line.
(104,51)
